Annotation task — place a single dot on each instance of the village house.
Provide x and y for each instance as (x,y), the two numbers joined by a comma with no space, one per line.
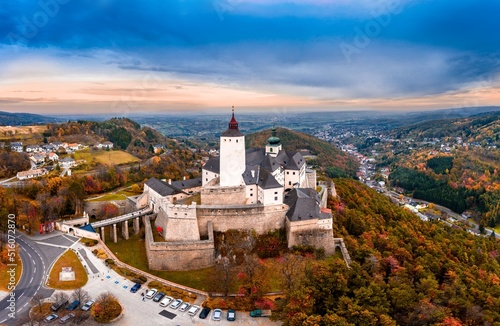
(38,158)
(16,147)
(23,175)
(53,157)
(104,145)
(67,162)
(73,147)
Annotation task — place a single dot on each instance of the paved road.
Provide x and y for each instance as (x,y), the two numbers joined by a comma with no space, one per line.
(456,216)
(35,267)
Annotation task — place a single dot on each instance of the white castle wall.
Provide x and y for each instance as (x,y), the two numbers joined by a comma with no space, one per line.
(232,161)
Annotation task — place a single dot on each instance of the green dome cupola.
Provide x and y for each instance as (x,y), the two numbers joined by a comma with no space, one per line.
(273,140)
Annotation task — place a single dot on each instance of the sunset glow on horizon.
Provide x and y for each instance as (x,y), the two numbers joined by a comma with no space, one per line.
(102,56)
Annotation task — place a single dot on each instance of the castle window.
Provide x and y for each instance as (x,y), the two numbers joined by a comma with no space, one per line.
(289,183)
(275,192)
(275,198)
(294,173)
(251,195)
(206,179)
(236,140)
(287,172)
(225,139)
(271,149)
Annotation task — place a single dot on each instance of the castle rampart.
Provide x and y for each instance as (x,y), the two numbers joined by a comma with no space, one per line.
(179,255)
(258,217)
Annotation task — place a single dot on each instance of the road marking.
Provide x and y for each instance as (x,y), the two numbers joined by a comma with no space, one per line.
(31,281)
(34,271)
(20,296)
(34,262)
(1,322)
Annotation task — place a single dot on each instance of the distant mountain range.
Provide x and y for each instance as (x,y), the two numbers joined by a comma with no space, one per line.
(23,119)
(290,119)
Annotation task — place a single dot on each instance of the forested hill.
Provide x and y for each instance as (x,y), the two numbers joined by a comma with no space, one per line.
(464,175)
(404,271)
(122,132)
(331,159)
(479,128)
(23,119)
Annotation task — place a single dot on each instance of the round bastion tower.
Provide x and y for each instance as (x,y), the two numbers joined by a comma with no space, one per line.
(232,155)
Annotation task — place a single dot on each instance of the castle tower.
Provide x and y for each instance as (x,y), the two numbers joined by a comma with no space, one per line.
(273,144)
(232,155)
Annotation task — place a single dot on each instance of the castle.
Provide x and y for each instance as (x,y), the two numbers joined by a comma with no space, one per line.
(258,189)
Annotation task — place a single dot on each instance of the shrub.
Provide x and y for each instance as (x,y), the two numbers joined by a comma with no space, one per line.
(106,308)
(272,244)
(110,261)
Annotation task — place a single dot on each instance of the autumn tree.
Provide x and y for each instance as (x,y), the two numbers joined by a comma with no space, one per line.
(106,308)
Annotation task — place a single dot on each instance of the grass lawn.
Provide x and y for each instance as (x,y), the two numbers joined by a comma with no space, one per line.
(109,197)
(497,229)
(105,157)
(68,259)
(133,252)
(5,277)
(128,193)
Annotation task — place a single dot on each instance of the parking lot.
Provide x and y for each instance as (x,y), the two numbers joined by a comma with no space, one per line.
(139,312)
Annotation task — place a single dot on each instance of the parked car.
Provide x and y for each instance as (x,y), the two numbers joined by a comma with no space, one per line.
(58,305)
(135,288)
(66,318)
(73,305)
(204,312)
(260,313)
(159,296)
(87,305)
(193,310)
(217,314)
(166,301)
(50,318)
(176,304)
(184,306)
(231,315)
(151,293)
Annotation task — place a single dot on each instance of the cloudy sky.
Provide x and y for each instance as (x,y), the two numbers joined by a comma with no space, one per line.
(113,56)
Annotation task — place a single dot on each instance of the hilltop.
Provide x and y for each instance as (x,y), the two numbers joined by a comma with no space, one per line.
(329,158)
(23,119)
(124,133)
(452,162)
(404,272)
(484,127)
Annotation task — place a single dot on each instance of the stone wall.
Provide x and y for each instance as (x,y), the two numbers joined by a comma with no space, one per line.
(179,223)
(258,217)
(223,195)
(95,207)
(311,178)
(309,233)
(179,255)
